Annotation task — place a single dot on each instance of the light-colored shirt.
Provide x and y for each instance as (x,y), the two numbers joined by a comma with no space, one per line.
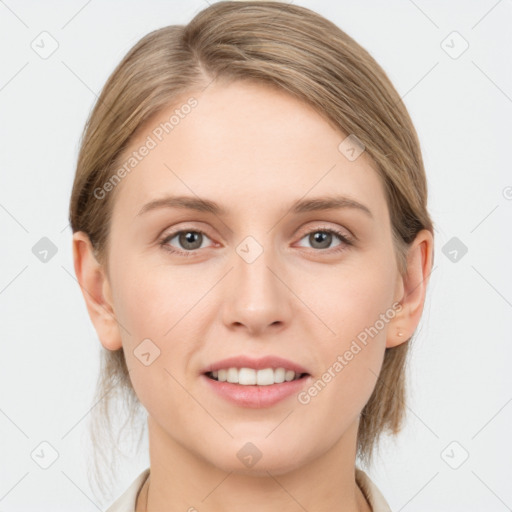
(126,502)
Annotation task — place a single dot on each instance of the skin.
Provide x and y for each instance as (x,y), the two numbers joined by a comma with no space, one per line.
(255,150)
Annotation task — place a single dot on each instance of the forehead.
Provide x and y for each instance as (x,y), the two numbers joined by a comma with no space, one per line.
(243,144)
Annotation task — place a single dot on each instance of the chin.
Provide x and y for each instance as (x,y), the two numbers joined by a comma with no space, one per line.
(254,458)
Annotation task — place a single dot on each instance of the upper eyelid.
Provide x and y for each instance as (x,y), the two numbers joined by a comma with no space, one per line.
(306,229)
(327,228)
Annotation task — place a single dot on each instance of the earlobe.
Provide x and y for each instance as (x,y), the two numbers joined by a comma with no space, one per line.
(96,291)
(414,285)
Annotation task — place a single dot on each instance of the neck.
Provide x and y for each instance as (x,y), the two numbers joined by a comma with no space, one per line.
(181,480)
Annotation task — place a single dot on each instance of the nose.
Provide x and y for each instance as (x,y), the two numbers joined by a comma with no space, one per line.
(257,299)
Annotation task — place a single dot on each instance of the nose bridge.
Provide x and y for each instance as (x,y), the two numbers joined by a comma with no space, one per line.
(259,298)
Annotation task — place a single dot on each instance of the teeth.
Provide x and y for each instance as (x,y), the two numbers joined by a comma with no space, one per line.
(248,377)
(279,374)
(251,377)
(232,375)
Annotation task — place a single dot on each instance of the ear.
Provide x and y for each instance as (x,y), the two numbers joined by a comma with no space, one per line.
(412,289)
(96,290)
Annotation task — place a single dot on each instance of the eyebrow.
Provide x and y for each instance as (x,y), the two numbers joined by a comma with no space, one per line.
(301,206)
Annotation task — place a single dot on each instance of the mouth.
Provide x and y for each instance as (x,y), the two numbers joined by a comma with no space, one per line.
(255,388)
(255,377)
(255,382)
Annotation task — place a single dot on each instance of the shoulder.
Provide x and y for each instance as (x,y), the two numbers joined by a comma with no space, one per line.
(371,491)
(126,502)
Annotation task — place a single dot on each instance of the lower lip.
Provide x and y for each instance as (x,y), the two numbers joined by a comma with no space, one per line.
(256,397)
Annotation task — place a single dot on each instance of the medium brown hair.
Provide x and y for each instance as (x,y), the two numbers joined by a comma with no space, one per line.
(280,45)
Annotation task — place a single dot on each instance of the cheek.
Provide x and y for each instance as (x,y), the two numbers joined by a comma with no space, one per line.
(154,301)
(156,306)
(159,307)
(354,299)
(357,307)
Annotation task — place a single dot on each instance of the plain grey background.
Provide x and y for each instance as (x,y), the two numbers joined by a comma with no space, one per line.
(451,63)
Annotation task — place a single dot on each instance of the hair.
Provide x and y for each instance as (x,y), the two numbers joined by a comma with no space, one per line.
(279,45)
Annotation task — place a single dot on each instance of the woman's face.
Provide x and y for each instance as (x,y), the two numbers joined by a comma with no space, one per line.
(261,277)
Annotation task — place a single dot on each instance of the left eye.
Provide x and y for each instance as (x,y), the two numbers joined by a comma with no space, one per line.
(322,238)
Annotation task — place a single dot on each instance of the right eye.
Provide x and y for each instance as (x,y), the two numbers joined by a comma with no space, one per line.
(190,240)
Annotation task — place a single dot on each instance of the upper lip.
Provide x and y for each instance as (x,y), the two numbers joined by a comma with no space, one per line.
(258,364)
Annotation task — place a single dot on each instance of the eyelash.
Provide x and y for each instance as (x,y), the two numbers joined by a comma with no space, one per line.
(187,254)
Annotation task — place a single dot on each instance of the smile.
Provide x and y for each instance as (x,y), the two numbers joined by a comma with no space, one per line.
(251,376)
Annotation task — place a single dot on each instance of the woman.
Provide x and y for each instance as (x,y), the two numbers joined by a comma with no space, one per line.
(253,244)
